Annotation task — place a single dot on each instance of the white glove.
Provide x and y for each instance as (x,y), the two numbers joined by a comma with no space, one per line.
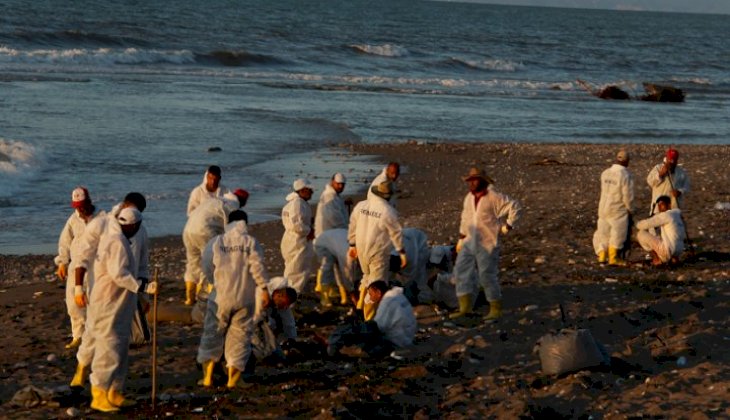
(151,288)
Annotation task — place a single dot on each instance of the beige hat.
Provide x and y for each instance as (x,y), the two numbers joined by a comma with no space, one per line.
(301,183)
(339,178)
(129,216)
(622,155)
(477,173)
(383,190)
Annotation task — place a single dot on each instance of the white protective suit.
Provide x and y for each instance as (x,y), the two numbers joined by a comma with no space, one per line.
(113,304)
(375,231)
(331,212)
(418,253)
(208,220)
(235,262)
(382,177)
(480,226)
(200,194)
(335,264)
(663,186)
(617,201)
(296,249)
(671,242)
(288,324)
(69,240)
(395,318)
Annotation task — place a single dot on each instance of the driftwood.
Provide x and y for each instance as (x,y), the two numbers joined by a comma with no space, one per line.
(654,92)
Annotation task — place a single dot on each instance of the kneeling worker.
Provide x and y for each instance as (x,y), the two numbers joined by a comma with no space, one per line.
(668,246)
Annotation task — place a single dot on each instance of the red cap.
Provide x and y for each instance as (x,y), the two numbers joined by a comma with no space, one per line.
(241,193)
(79,197)
(672,155)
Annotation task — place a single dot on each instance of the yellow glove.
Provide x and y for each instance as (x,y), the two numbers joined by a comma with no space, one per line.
(403,260)
(459,245)
(80,297)
(352,252)
(506,228)
(61,271)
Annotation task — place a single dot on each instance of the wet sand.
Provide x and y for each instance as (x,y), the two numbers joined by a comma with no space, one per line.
(666,329)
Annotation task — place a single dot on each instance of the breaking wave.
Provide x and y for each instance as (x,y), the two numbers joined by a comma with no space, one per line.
(486,64)
(385,50)
(98,56)
(18,160)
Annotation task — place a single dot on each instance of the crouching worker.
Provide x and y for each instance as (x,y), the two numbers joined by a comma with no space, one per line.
(394,325)
(669,246)
(271,320)
(235,263)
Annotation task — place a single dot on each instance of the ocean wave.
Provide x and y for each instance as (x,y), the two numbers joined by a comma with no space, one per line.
(18,160)
(702,81)
(486,64)
(236,58)
(98,56)
(74,37)
(384,50)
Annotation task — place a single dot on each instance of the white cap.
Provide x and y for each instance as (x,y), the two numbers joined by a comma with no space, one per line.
(129,216)
(276,283)
(301,183)
(339,178)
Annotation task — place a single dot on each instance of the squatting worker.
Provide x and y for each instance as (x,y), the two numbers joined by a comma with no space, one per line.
(486,213)
(614,208)
(391,173)
(235,262)
(84,213)
(668,179)
(85,254)
(373,233)
(670,244)
(336,265)
(206,221)
(209,188)
(296,243)
(114,298)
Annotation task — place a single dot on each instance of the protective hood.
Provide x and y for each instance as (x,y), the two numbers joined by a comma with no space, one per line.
(276,283)
(238,226)
(292,196)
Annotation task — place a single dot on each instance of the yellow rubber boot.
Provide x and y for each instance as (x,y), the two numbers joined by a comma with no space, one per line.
(361,299)
(368,311)
(234,376)
(190,292)
(602,257)
(207,380)
(79,379)
(318,284)
(100,402)
(324,295)
(613,258)
(466,302)
(495,310)
(76,342)
(117,399)
(344,300)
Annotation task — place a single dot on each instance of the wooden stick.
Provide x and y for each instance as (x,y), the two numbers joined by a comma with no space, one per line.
(154,342)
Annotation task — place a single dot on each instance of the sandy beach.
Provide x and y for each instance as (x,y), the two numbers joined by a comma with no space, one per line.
(667,330)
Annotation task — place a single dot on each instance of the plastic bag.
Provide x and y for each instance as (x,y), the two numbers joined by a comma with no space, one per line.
(569,350)
(263,340)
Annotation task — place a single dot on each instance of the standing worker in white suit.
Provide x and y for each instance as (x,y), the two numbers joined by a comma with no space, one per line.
(373,233)
(614,208)
(391,172)
(211,187)
(208,220)
(486,214)
(331,210)
(84,213)
(296,243)
(235,262)
(669,180)
(114,301)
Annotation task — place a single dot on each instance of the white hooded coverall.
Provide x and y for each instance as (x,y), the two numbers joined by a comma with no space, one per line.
(480,226)
(200,194)
(206,221)
(671,242)
(382,177)
(336,265)
(395,318)
(114,301)
(663,186)
(617,201)
(375,231)
(418,253)
(331,212)
(71,237)
(296,249)
(235,262)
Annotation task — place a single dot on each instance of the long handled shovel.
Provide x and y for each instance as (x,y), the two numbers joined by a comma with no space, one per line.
(154,342)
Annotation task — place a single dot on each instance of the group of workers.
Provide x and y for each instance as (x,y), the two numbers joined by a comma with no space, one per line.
(365,257)
(669,184)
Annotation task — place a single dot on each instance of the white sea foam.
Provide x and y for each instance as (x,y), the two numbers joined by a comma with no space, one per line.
(18,161)
(385,50)
(492,64)
(99,56)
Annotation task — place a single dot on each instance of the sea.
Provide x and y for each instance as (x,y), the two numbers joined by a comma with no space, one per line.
(135,95)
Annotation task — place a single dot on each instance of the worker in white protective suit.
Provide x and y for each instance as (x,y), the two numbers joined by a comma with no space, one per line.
(235,262)
(670,244)
(331,208)
(206,221)
(668,179)
(85,253)
(336,265)
(394,325)
(614,210)
(296,243)
(114,301)
(373,233)
(209,188)
(391,172)
(271,320)
(485,215)
(84,213)
(414,276)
